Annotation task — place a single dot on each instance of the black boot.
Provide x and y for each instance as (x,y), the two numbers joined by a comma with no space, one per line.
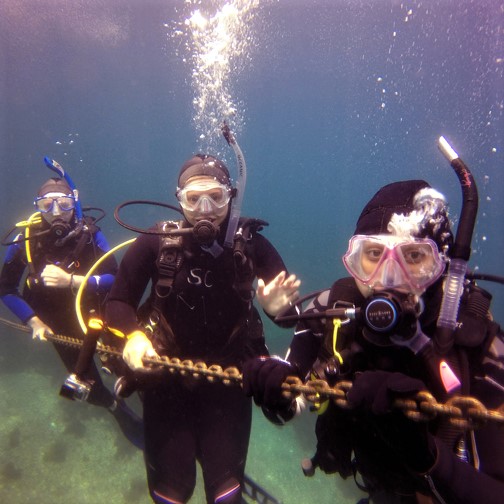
(129,422)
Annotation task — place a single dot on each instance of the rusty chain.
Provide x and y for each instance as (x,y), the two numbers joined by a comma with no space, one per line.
(464,412)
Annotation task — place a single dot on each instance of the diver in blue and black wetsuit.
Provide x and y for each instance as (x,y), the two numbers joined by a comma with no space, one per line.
(56,252)
(200,308)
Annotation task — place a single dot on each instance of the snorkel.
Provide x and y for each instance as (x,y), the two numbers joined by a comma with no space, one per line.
(460,253)
(56,167)
(236,203)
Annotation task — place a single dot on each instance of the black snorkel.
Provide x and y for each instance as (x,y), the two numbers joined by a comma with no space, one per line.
(459,253)
(63,235)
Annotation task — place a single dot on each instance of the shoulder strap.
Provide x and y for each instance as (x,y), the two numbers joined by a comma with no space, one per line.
(243,264)
(169,259)
(246,229)
(88,231)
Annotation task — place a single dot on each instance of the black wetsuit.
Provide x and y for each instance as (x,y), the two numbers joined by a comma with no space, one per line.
(341,432)
(206,317)
(56,306)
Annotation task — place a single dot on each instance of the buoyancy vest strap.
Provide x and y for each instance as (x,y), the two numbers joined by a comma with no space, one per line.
(244,268)
(169,260)
(85,235)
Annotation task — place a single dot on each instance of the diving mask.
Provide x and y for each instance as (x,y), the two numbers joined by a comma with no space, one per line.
(45,204)
(388,261)
(204,196)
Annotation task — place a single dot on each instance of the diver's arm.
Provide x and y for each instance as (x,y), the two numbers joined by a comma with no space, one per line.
(273,295)
(308,336)
(18,306)
(10,279)
(105,273)
(457,481)
(121,316)
(135,271)
(267,260)
(276,296)
(101,241)
(56,276)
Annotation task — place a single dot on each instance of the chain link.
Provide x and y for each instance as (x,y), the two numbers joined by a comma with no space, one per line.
(464,412)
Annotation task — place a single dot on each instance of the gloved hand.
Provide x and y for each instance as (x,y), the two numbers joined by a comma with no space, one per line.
(263,378)
(54,276)
(39,329)
(278,294)
(138,347)
(374,392)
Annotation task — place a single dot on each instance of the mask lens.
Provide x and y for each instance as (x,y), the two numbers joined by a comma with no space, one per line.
(46,204)
(204,195)
(66,203)
(421,261)
(390,261)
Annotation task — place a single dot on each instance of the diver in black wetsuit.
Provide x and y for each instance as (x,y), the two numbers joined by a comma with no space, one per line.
(397,259)
(200,308)
(60,249)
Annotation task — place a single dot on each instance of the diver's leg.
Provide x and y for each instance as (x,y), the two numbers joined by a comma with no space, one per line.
(169,444)
(224,431)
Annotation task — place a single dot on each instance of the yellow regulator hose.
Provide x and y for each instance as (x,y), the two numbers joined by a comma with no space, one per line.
(82,286)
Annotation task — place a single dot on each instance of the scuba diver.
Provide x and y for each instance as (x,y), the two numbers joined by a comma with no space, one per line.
(200,307)
(382,328)
(59,245)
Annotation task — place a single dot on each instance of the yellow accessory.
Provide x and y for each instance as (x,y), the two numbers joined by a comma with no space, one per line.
(96,324)
(134,334)
(321,406)
(34,218)
(82,286)
(337,325)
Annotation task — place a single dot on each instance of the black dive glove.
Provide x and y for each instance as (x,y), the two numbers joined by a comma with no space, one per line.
(263,378)
(374,392)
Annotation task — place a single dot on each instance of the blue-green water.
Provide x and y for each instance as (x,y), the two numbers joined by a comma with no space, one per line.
(334,98)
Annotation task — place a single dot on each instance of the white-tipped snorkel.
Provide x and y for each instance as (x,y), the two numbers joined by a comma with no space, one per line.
(241,180)
(460,251)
